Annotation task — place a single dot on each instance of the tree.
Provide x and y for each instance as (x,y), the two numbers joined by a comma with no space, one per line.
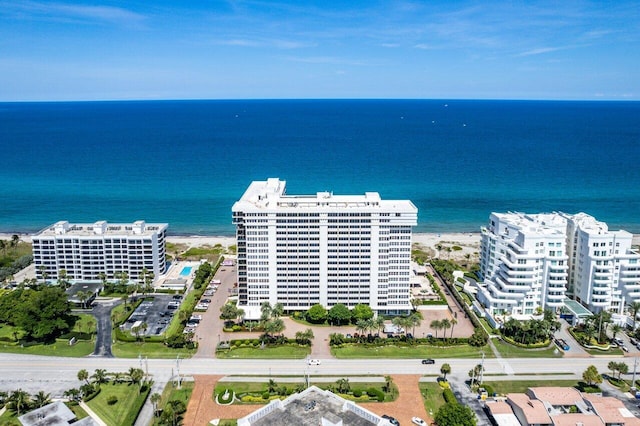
(229,312)
(454,414)
(436,325)
(15,239)
(615,329)
(339,314)
(361,312)
(62,278)
(591,376)
(277,311)
(377,323)
(634,307)
(274,326)
(43,314)
(83,296)
(623,368)
(265,311)
(445,324)
(18,399)
(453,323)
(343,386)
(414,320)
(445,369)
(317,314)
(136,375)
(401,323)
(41,399)
(83,375)
(272,386)
(73,394)
(99,375)
(3,246)
(155,399)
(362,326)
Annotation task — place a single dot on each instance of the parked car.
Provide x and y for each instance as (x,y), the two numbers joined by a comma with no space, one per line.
(391,419)
(428,361)
(418,421)
(314,362)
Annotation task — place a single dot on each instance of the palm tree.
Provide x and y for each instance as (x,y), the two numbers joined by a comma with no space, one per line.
(83,296)
(453,322)
(436,325)
(415,319)
(277,311)
(265,311)
(634,307)
(400,323)
(18,400)
(73,394)
(615,329)
(83,375)
(378,323)
(41,399)
(136,375)
(445,369)
(272,386)
(362,326)
(155,399)
(99,376)
(445,324)
(15,239)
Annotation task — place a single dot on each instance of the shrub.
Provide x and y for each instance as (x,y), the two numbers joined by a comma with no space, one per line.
(449,396)
(376,393)
(265,395)
(112,400)
(357,393)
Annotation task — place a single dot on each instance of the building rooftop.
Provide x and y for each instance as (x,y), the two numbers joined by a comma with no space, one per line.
(574,419)
(533,410)
(270,196)
(312,407)
(54,414)
(611,410)
(556,396)
(102,228)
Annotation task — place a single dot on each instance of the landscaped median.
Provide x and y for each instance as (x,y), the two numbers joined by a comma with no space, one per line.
(262,392)
(281,347)
(403,347)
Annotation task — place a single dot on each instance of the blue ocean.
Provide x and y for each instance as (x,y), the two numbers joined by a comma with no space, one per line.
(187,162)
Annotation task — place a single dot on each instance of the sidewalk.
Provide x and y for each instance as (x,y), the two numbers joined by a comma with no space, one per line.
(93,415)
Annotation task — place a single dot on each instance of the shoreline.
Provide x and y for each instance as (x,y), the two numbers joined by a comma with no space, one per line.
(467,240)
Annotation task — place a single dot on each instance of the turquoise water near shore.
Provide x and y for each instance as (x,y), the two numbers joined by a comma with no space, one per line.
(186,162)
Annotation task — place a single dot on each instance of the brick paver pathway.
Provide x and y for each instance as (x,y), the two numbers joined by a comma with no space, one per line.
(202,408)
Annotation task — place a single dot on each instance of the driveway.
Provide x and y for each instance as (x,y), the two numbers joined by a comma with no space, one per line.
(102,313)
(202,407)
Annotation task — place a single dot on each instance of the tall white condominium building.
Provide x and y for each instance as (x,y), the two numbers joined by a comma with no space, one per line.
(86,251)
(523,263)
(604,272)
(300,250)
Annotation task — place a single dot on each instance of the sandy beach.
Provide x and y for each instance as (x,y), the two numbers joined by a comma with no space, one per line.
(440,243)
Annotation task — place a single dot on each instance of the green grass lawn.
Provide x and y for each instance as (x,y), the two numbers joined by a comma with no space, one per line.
(521,386)
(611,351)
(432,396)
(148,349)
(171,393)
(422,351)
(511,351)
(117,413)
(86,323)
(278,352)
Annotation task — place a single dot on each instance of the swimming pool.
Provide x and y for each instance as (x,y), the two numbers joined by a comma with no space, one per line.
(185,271)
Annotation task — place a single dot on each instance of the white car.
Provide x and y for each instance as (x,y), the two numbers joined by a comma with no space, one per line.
(418,421)
(314,362)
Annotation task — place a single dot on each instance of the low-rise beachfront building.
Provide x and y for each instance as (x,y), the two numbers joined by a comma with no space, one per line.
(530,261)
(523,264)
(559,406)
(301,250)
(89,252)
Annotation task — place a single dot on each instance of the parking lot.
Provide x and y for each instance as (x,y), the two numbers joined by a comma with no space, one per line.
(156,312)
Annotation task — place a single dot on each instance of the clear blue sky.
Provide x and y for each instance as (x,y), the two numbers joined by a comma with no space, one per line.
(189,49)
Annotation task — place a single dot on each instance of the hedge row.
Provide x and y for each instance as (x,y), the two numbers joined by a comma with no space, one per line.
(449,396)
(132,415)
(521,345)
